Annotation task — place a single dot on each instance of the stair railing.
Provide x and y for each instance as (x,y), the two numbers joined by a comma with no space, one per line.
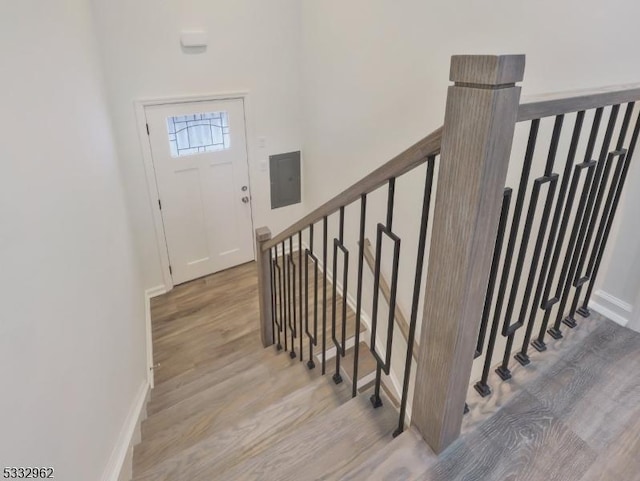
(471,210)
(311,260)
(543,276)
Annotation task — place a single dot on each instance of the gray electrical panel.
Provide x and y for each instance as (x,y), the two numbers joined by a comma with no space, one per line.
(284,172)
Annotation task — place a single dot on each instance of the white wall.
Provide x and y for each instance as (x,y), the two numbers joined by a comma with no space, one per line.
(253,46)
(72,355)
(376,72)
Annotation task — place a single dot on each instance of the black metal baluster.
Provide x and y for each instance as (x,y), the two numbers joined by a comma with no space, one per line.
(285,319)
(493,274)
(481,386)
(311,238)
(356,347)
(313,340)
(555,332)
(334,290)
(384,365)
(515,223)
(417,289)
(547,303)
(291,276)
(579,280)
(300,284)
(567,267)
(280,303)
(273,296)
(345,280)
(324,294)
(584,309)
(619,153)
(338,244)
(552,179)
(523,356)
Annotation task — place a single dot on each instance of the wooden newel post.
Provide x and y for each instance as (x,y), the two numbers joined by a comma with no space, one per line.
(263,234)
(480,118)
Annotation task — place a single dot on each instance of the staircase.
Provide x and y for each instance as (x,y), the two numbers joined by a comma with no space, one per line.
(239,412)
(249,413)
(509,257)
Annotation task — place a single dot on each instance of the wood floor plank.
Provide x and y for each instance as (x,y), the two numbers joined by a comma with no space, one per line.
(177,365)
(244,353)
(620,459)
(261,377)
(219,414)
(204,302)
(366,362)
(346,435)
(228,323)
(405,458)
(483,408)
(172,307)
(522,441)
(596,388)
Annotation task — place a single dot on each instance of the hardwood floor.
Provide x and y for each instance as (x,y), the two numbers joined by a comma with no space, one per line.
(220,399)
(574,416)
(225,409)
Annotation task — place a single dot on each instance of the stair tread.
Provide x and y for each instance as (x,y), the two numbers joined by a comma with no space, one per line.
(194,419)
(326,447)
(406,458)
(181,354)
(173,308)
(250,436)
(366,372)
(241,383)
(366,362)
(350,320)
(350,328)
(194,380)
(350,323)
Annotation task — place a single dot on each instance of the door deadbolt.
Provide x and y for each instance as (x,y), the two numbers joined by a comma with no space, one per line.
(244,188)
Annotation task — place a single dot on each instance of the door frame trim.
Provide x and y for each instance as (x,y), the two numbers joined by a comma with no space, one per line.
(152,187)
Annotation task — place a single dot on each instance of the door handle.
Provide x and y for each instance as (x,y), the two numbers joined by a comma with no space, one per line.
(245,199)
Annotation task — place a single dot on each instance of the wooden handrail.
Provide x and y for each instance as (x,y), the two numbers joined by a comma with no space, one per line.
(402,163)
(565,102)
(399,316)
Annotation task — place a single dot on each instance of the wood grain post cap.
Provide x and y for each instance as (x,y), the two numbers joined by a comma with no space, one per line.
(488,71)
(263,234)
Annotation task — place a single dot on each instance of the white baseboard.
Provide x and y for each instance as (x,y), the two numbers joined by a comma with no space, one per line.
(610,306)
(148,295)
(120,467)
(366,380)
(155,291)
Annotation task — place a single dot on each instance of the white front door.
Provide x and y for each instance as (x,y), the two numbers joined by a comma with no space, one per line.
(200,159)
